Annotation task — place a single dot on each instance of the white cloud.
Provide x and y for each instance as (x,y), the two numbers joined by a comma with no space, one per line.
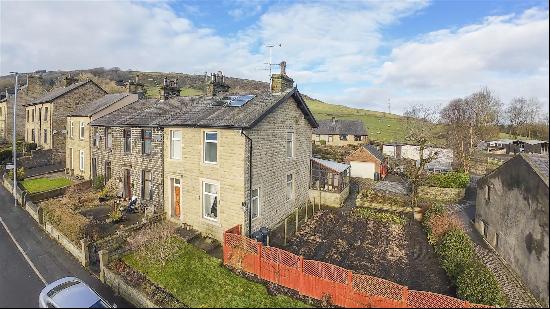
(509,54)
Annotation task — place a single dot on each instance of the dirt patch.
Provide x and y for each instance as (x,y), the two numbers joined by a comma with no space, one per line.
(399,253)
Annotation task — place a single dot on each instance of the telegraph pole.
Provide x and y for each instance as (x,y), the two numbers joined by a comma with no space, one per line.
(14,155)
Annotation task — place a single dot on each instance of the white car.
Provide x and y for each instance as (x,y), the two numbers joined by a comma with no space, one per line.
(70,292)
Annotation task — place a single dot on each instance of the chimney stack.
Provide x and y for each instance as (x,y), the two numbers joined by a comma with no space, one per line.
(333,120)
(169,89)
(69,80)
(281,82)
(35,85)
(135,87)
(216,85)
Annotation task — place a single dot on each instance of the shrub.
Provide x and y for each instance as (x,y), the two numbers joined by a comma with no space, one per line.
(31,146)
(376,197)
(6,155)
(69,222)
(99,183)
(20,174)
(154,242)
(449,180)
(440,224)
(456,252)
(115,215)
(110,189)
(433,210)
(478,285)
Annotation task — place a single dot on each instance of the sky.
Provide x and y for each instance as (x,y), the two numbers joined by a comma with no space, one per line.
(362,54)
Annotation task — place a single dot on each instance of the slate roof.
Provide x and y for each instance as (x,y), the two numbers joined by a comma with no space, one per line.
(99,104)
(57,92)
(201,111)
(335,166)
(338,126)
(375,152)
(539,163)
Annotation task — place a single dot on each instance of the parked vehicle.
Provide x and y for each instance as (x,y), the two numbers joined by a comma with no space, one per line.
(70,292)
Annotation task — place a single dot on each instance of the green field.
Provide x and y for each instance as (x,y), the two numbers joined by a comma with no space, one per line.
(381,126)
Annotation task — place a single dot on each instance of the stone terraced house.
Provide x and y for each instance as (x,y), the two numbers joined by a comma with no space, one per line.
(214,161)
(46,117)
(81,138)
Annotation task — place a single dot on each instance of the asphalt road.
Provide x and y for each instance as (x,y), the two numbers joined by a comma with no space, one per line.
(19,283)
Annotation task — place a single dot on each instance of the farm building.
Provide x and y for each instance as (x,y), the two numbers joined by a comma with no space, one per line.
(442,163)
(367,162)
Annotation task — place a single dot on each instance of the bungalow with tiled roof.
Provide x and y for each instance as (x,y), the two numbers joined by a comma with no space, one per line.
(339,132)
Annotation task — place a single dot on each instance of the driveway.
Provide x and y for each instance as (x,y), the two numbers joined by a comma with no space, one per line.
(19,283)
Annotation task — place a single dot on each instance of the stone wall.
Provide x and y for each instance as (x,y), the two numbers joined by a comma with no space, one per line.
(332,199)
(271,164)
(38,158)
(134,161)
(512,214)
(191,170)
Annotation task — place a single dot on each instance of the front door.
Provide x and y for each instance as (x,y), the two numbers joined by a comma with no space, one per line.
(127,184)
(94,168)
(177,197)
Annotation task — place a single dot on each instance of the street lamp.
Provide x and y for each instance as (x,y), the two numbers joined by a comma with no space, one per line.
(14,155)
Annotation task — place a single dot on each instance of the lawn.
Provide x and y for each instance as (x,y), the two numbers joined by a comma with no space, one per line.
(190,92)
(44,184)
(199,280)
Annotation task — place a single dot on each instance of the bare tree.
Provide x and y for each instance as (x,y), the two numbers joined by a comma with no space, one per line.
(420,128)
(469,121)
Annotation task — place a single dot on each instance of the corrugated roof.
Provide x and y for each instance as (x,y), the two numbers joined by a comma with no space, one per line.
(99,104)
(338,126)
(200,111)
(335,166)
(57,92)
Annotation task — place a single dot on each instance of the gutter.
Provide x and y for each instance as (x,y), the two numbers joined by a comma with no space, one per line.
(249,184)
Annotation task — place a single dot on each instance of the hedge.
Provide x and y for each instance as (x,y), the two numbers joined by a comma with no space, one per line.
(478,285)
(456,252)
(449,180)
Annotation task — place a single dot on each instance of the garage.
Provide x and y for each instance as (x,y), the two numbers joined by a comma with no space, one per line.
(362,169)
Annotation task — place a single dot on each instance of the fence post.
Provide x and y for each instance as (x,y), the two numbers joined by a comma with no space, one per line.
(301,269)
(259,260)
(296,211)
(349,297)
(467,304)
(405,297)
(84,243)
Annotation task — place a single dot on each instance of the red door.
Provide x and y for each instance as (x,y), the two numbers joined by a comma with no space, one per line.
(177,201)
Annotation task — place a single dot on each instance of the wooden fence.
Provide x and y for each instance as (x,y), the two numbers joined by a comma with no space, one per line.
(325,281)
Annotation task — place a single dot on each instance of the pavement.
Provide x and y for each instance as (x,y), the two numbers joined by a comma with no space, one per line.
(20,284)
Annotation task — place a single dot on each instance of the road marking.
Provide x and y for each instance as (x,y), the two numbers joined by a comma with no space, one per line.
(23,253)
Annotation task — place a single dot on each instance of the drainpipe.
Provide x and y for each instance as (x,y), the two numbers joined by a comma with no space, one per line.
(249,184)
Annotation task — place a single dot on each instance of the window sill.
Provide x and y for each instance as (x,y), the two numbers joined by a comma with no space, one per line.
(215,222)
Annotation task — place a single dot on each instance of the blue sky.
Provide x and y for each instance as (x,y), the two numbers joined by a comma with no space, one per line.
(356,53)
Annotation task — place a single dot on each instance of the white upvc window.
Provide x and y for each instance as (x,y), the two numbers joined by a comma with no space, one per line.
(175,144)
(211,147)
(290,144)
(289,186)
(255,203)
(81,160)
(71,129)
(210,201)
(147,192)
(82,130)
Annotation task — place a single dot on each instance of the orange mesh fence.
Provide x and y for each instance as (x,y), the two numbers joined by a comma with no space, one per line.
(324,281)
(420,299)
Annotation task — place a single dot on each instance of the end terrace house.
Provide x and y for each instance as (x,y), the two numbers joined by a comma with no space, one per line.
(240,159)
(81,138)
(46,117)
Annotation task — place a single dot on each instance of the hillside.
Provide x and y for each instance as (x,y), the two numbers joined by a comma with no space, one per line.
(382,127)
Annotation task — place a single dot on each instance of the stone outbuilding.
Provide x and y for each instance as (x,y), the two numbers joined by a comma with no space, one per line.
(367,162)
(340,132)
(512,215)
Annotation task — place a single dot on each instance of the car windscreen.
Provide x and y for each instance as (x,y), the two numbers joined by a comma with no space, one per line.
(99,304)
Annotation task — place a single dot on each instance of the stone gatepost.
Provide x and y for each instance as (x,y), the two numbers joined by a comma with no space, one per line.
(103,261)
(85,243)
